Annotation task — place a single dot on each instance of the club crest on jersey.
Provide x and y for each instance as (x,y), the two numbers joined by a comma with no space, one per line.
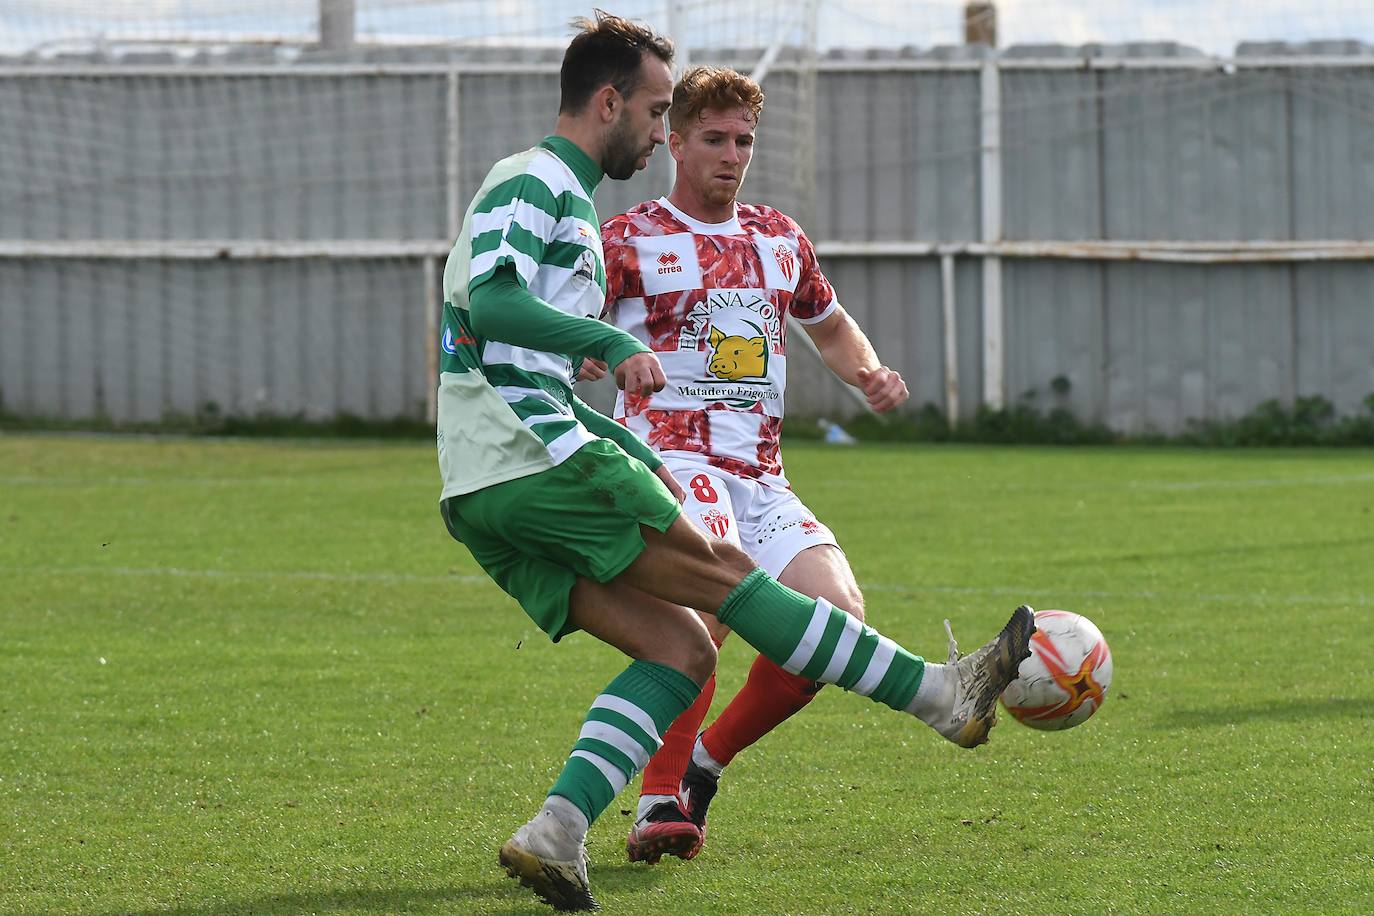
(668,263)
(787,261)
(717,521)
(586,267)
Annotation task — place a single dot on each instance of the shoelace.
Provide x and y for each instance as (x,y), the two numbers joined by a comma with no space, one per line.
(954,655)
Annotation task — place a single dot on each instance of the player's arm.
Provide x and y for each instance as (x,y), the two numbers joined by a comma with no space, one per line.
(849,354)
(598,424)
(501,308)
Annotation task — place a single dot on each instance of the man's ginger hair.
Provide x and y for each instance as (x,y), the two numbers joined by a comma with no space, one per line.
(712,89)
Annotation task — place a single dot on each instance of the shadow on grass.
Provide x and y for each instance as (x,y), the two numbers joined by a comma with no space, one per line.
(489,896)
(1297,709)
(451,899)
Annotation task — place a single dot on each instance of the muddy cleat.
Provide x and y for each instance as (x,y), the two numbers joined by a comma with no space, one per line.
(698,788)
(665,830)
(982,676)
(550,862)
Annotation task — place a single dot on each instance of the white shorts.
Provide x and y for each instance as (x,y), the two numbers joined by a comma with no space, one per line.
(768,523)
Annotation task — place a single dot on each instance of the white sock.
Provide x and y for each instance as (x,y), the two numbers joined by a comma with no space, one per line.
(647,802)
(702,758)
(567,814)
(935,696)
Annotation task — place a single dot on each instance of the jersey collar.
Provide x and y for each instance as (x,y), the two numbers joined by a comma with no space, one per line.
(730,226)
(588,172)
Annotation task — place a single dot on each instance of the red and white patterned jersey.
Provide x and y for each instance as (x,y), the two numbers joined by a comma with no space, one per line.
(711,300)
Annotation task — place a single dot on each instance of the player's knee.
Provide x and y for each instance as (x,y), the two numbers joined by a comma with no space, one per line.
(852,600)
(698,657)
(732,558)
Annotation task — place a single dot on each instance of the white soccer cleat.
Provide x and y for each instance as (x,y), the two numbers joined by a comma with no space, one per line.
(982,676)
(549,861)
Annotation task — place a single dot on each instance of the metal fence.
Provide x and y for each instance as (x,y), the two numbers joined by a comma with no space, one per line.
(1136,233)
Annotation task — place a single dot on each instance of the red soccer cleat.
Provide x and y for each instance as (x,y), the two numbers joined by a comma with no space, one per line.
(664,830)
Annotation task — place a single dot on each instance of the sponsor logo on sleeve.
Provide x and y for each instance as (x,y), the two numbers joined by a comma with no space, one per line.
(450,342)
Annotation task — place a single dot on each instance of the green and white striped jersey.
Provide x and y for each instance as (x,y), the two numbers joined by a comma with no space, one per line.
(503,410)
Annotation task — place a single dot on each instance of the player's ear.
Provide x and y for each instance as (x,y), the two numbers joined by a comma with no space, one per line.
(675,142)
(606,101)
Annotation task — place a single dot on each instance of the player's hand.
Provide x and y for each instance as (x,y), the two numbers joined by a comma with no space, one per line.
(671,483)
(591,370)
(883,387)
(640,375)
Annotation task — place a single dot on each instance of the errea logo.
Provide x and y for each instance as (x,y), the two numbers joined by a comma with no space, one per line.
(668,263)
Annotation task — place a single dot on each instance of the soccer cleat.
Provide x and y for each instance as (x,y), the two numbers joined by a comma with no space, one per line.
(663,830)
(982,676)
(698,788)
(550,862)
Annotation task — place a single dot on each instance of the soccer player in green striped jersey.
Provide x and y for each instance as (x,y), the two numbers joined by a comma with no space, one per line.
(577,519)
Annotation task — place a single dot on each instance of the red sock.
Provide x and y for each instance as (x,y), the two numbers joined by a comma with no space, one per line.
(663,775)
(767,699)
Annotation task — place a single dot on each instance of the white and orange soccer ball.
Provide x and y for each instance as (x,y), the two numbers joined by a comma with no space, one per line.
(1066,677)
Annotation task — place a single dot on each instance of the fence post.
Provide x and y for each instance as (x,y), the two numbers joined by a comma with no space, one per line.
(994,382)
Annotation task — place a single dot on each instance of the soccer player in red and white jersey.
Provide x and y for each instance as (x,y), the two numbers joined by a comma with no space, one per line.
(708,283)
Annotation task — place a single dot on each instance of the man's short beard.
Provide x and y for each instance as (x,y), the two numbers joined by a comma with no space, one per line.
(620,160)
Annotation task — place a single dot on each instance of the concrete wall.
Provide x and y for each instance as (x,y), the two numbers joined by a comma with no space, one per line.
(1159,148)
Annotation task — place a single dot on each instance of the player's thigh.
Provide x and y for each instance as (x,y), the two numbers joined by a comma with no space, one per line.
(822,571)
(542,588)
(778,527)
(585,514)
(708,503)
(643,627)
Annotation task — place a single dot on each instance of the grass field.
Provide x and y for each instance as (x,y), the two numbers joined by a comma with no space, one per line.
(257,677)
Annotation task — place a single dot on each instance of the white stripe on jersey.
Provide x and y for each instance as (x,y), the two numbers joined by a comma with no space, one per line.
(630,315)
(550,364)
(525,265)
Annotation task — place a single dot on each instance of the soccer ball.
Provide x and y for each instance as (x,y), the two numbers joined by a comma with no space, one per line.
(1066,677)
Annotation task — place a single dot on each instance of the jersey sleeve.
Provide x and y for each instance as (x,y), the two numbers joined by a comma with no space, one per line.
(613,246)
(513,224)
(622,263)
(814,299)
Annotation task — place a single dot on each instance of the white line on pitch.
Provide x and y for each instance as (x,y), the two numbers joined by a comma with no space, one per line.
(1264,598)
(1247,483)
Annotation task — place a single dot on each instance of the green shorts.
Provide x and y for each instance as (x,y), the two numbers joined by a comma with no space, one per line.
(535,535)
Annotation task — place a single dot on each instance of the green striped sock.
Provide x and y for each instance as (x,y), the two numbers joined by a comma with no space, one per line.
(811,638)
(622,731)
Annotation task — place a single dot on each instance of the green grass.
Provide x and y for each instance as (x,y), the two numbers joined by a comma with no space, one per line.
(244,676)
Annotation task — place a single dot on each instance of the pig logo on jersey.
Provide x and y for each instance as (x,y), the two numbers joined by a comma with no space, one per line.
(736,331)
(717,521)
(787,262)
(736,357)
